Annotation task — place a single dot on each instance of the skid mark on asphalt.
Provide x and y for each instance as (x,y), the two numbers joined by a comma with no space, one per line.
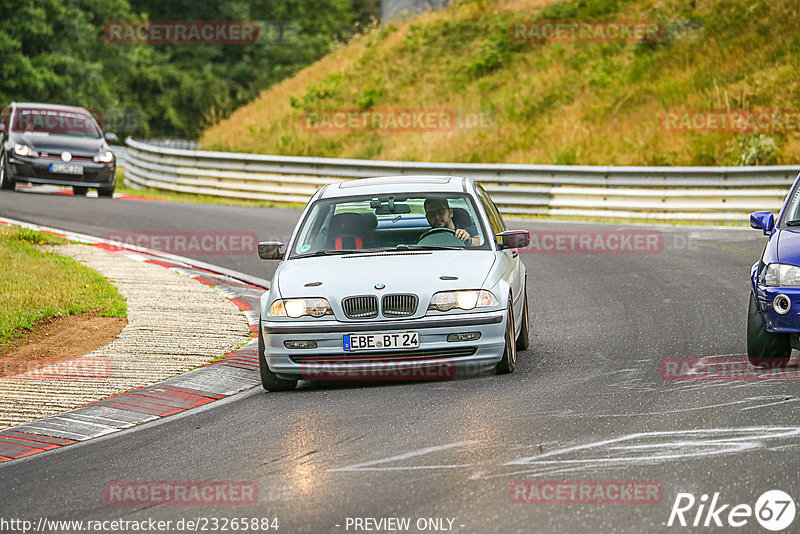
(782,448)
(369,466)
(638,449)
(770,401)
(783,400)
(649,448)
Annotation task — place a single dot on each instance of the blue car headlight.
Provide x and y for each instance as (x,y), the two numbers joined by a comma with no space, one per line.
(782,274)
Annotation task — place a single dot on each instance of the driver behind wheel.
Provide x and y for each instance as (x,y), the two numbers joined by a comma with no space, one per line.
(440,215)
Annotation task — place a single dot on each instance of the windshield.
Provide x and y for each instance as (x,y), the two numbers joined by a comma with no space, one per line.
(56,122)
(390,222)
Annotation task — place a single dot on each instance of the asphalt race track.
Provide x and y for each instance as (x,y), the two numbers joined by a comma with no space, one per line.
(589,402)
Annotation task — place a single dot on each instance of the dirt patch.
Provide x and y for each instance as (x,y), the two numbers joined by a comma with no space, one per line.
(55,339)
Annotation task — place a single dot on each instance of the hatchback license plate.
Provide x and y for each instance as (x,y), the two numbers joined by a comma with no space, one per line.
(404,340)
(63,168)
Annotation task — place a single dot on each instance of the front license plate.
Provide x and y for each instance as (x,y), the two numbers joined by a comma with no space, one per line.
(64,168)
(404,340)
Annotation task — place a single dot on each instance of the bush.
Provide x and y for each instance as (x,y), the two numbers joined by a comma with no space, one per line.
(758,149)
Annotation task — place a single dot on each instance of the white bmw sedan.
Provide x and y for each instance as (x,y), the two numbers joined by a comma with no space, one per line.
(398,278)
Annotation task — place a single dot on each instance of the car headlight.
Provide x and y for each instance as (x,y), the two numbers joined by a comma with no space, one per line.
(294,308)
(104,157)
(24,150)
(782,274)
(463,300)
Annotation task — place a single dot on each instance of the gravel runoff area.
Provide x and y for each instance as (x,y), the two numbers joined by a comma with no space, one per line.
(175,324)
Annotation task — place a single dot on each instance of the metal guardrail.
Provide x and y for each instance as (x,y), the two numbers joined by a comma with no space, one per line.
(121,152)
(659,193)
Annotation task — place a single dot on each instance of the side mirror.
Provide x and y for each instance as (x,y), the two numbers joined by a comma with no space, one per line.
(515,238)
(762,220)
(111,137)
(270,250)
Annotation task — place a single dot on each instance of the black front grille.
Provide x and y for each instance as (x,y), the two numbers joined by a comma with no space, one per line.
(363,307)
(399,305)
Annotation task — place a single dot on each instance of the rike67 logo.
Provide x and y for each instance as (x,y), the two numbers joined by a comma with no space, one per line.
(774,510)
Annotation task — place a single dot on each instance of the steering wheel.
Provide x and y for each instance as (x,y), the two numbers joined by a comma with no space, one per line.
(434,230)
(446,237)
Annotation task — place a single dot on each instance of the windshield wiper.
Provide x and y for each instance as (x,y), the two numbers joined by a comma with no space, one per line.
(427,247)
(795,222)
(329,253)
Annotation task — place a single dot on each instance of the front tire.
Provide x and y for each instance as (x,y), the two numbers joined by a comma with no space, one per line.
(106,192)
(765,349)
(509,361)
(6,183)
(269,380)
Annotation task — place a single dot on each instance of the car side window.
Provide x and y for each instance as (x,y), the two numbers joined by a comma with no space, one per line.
(495,220)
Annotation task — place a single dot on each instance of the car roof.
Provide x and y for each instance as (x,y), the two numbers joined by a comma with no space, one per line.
(41,105)
(396,184)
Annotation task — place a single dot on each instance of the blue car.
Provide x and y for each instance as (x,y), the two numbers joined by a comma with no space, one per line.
(773,319)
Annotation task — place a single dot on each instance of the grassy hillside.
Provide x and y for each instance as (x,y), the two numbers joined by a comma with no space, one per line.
(587,103)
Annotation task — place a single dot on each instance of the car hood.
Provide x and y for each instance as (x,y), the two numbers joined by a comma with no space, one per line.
(788,249)
(403,272)
(56,144)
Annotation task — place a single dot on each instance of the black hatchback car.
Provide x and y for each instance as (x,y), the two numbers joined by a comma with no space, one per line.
(53,144)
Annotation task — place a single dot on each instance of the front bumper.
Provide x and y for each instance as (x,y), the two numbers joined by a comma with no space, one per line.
(37,171)
(773,321)
(329,360)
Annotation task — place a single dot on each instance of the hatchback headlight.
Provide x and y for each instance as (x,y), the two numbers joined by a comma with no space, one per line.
(24,150)
(104,157)
(463,300)
(782,274)
(294,308)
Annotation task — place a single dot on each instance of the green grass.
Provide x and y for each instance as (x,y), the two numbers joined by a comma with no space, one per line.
(587,103)
(35,284)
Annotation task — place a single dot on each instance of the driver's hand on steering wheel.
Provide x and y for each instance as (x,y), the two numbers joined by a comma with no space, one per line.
(464,236)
